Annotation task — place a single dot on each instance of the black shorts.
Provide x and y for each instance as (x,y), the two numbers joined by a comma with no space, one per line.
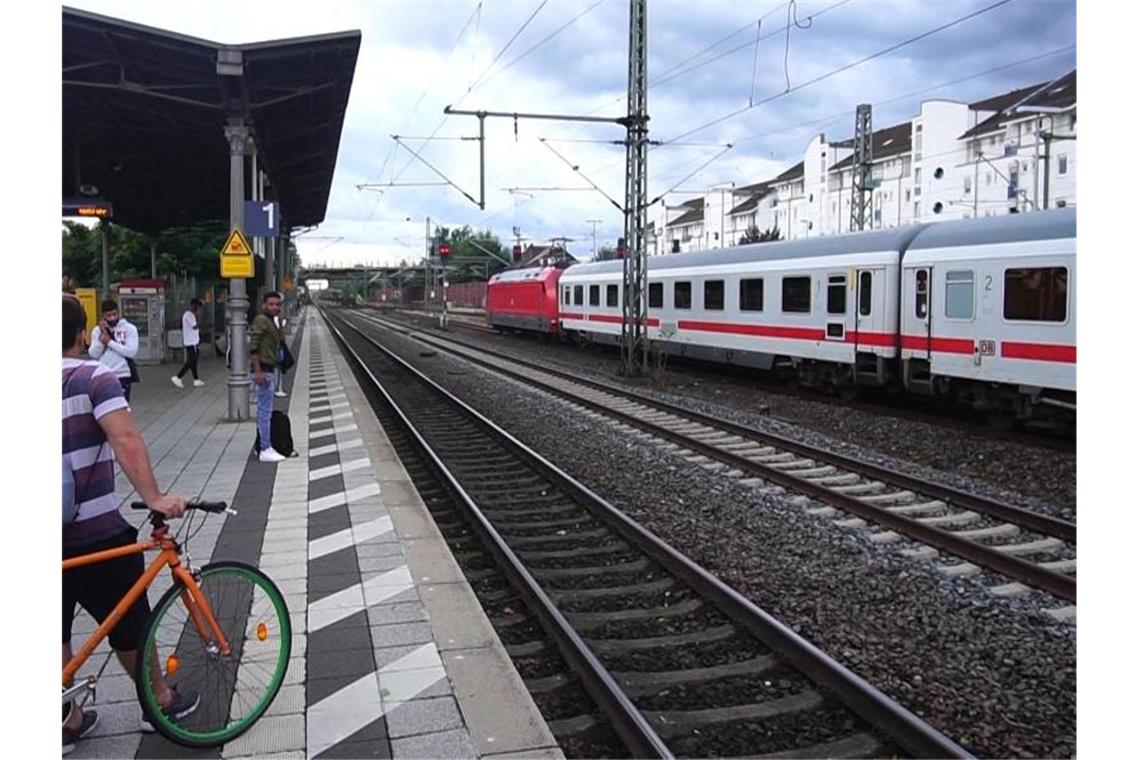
(99,587)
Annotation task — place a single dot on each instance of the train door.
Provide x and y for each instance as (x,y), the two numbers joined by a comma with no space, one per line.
(919,311)
(837,319)
(863,317)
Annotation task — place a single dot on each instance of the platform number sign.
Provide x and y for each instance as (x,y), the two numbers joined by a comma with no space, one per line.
(262,219)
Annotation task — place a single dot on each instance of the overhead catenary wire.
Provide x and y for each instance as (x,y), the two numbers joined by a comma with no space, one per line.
(841,69)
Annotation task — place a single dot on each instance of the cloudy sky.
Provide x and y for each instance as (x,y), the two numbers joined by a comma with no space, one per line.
(570,57)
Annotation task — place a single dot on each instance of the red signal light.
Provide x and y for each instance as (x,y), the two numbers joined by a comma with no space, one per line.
(444,250)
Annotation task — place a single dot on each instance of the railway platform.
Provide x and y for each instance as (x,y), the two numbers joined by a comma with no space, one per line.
(392,654)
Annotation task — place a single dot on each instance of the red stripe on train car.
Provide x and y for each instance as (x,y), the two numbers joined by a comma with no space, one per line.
(568,315)
(604,318)
(1045,352)
(768,331)
(871,338)
(941,345)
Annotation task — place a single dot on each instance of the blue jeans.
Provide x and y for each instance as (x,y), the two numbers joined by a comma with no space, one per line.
(264,409)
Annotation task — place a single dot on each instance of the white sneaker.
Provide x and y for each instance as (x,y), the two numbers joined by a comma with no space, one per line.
(198,383)
(270,455)
(280,394)
(177,381)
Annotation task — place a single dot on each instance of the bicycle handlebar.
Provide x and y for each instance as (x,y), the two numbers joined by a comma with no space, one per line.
(206,506)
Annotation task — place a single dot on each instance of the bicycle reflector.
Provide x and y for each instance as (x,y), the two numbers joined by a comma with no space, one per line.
(262,632)
(171,665)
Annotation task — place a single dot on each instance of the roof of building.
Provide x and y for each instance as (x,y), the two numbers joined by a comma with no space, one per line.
(695,213)
(788,175)
(144,111)
(1060,93)
(885,143)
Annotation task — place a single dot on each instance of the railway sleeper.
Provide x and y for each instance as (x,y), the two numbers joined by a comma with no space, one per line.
(813,473)
(996,531)
(647,683)
(527,649)
(555,539)
(921,508)
(555,573)
(898,497)
(772,458)
(1067,566)
(638,589)
(847,478)
(575,726)
(793,467)
(856,745)
(1031,547)
(589,620)
(544,511)
(547,684)
(960,518)
(623,646)
(577,521)
(859,489)
(676,723)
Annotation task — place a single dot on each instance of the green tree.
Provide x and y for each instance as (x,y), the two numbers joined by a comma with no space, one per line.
(754,235)
(473,253)
(186,252)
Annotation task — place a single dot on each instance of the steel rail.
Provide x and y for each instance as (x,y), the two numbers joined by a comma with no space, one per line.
(903,726)
(629,724)
(1052,582)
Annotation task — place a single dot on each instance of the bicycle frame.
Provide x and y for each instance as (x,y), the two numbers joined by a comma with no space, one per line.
(192,596)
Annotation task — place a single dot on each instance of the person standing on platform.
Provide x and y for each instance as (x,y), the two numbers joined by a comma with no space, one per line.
(279,320)
(190,341)
(113,341)
(264,340)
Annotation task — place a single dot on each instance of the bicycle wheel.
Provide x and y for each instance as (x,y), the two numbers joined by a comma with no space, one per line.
(234,689)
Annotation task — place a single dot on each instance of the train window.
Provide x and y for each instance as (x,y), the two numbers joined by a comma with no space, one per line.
(960,294)
(920,293)
(577,295)
(611,295)
(796,293)
(864,294)
(566,295)
(837,294)
(682,295)
(752,295)
(656,295)
(595,295)
(714,295)
(1040,294)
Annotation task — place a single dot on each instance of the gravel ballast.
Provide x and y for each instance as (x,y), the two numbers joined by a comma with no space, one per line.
(992,673)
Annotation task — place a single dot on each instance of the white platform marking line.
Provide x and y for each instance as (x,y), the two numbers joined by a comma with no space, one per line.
(343,713)
(344,497)
(330,417)
(337,469)
(334,447)
(387,585)
(349,537)
(332,431)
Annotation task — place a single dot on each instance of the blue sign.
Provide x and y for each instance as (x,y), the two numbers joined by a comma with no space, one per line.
(262,219)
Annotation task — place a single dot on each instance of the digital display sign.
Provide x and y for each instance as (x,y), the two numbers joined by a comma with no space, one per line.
(88,208)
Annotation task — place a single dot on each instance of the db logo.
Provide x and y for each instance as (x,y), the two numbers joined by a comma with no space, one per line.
(987,348)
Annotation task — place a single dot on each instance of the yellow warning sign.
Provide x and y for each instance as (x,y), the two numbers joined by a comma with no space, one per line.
(236,266)
(236,245)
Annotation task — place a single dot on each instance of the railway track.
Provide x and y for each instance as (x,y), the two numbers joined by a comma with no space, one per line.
(676,661)
(1029,549)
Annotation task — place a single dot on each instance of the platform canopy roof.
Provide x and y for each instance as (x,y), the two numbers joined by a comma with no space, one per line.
(144,111)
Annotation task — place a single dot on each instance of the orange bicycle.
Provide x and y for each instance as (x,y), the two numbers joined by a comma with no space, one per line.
(222,630)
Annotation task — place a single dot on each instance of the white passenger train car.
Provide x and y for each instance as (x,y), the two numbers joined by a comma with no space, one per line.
(827,306)
(989,311)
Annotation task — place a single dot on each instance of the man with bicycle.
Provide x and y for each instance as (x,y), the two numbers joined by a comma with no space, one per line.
(98,431)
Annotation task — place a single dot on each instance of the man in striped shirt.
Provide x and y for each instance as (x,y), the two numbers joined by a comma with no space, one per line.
(97,430)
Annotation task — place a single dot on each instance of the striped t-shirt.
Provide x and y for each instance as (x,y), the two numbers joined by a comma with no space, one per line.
(90,391)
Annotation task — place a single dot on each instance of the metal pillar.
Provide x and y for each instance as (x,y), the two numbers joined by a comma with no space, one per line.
(1048,139)
(153,260)
(594,224)
(237,134)
(861,168)
(105,236)
(635,302)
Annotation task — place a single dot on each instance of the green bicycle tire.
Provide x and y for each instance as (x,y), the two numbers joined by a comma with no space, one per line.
(187,735)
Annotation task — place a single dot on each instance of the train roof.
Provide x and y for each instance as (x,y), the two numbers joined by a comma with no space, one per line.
(895,240)
(1011,228)
(518,275)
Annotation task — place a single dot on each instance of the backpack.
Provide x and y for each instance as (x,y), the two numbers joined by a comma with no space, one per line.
(280,435)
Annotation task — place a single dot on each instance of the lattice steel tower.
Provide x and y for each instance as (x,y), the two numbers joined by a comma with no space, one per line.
(635,341)
(861,168)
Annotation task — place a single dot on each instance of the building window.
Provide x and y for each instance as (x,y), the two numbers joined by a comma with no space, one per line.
(682,295)
(918,176)
(960,294)
(577,295)
(1062,164)
(917,209)
(1039,294)
(920,293)
(611,295)
(656,295)
(864,294)
(837,294)
(989,178)
(967,185)
(908,195)
(796,292)
(752,295)
(595,298)
(714,295)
